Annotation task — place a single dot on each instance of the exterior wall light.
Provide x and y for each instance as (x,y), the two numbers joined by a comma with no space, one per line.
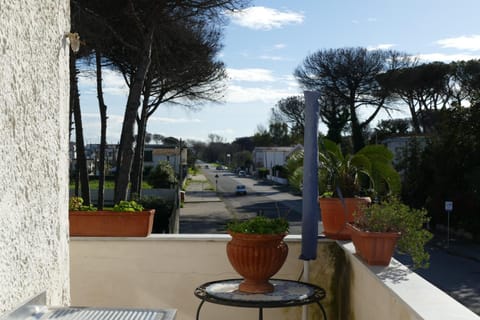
(74,39)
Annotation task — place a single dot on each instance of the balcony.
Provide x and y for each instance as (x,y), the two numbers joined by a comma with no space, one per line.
(162,271)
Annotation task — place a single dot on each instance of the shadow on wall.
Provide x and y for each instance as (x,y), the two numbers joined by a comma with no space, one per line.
(333,275)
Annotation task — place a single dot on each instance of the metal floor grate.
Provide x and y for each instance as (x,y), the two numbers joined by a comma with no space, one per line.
(35,309)
(103,314)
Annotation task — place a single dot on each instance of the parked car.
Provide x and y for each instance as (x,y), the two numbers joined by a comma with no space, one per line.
(241,190)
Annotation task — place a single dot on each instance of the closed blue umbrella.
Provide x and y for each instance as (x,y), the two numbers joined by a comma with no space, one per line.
(310,210)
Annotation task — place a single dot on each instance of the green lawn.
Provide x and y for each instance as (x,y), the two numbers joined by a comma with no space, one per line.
(108,185)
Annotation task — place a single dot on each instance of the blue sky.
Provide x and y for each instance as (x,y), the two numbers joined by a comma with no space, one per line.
(265,43)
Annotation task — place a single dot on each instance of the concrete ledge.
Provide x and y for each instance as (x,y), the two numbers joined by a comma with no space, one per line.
(178,237)
(396,292)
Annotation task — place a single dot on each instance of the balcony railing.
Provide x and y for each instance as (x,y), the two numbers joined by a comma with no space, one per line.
(162,271)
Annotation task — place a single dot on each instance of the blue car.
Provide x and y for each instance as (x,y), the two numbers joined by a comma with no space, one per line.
(241,190)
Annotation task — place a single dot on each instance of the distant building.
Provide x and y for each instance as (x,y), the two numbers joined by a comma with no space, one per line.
(398,145)
(270,157)
(111,151)
(177,158)
(92,152)
(153,154)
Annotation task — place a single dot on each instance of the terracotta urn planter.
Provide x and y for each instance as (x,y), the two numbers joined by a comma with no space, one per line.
(257,257)
(111,223)
(376,248)
(335,215)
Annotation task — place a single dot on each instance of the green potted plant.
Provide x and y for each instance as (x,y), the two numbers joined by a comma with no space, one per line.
(76,204)
(126,219)
(164,212)
(257,251)
(347,181)
(387,225)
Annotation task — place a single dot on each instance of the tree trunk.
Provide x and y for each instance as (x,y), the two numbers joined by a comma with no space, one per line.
(413,113)
(136,176)
(125,153)
(70,112)
(103,132)
(77,181)
(80,145)
(137,167)
(335,133)
(357,134)
(73,168)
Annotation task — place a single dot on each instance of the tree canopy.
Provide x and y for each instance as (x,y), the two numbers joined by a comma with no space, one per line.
(291,110)
(347,78)
(135,36)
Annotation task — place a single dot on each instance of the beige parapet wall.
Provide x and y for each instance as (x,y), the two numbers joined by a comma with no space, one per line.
(162,271)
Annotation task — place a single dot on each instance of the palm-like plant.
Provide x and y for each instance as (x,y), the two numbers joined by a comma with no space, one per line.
(369,171)
(294,167)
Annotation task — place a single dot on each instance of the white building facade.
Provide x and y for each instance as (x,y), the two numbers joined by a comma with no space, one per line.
(269,157)
(175,156)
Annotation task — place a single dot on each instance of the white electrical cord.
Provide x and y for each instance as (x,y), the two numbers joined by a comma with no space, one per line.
(306,271)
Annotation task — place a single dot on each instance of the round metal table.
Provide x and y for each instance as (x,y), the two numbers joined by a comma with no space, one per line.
(287,293)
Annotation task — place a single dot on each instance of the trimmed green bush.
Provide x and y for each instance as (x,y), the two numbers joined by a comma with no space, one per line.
(259,225)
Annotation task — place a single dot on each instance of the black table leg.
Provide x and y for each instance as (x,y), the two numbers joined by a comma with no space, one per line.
(260,313)
(198,309)
(323,310)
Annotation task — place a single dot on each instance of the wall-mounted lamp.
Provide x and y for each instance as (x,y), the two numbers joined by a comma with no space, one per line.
(74,39)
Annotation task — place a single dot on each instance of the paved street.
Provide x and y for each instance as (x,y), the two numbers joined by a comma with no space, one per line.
(262,198)
(454,269)
(203,210)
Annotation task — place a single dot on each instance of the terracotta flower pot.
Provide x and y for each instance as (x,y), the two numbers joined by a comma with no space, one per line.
(256,257)
(335,215)
(376,248)
(111,223)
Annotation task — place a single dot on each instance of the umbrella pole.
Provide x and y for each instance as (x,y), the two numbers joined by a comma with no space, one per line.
(306,271)
(310,213)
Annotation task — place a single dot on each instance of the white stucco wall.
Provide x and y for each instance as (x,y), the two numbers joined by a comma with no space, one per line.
(34,93)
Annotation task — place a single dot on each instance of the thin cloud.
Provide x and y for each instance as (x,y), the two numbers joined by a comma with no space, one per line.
(239,94)
(174,120)
(263,18)
(115,118)
(253,74)
(221,132)
(272,53)
(273,58)
(382,46)
(370,20)
(446,57)
(471,43)
(112,82)
(90,115)
(292,84)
